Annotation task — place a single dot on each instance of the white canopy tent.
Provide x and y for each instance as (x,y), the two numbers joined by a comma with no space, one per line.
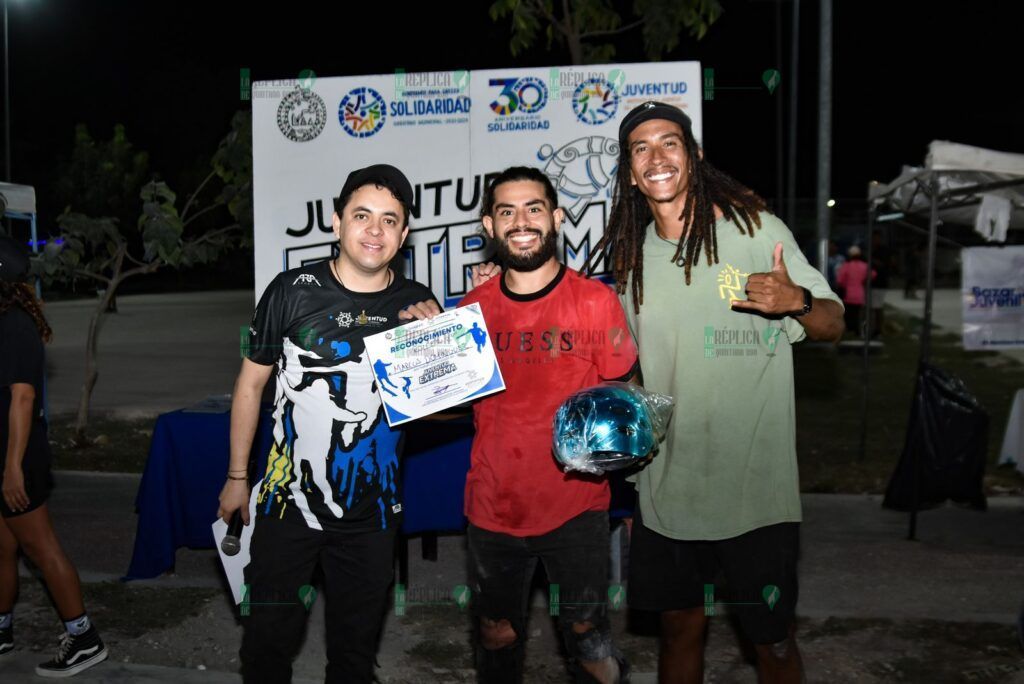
(19,202)
(948,190)
(962,174)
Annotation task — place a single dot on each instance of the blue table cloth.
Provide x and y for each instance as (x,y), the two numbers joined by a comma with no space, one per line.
(188,458)
(178,495)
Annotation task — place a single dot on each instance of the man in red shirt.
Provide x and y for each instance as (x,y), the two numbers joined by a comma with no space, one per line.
(554,332)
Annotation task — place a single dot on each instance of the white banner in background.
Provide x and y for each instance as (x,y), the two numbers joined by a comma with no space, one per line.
(993,296)
(447,131)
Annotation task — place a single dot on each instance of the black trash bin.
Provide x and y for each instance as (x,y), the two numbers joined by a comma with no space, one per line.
(945,449)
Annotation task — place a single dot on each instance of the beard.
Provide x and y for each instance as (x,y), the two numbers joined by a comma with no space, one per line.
(530,261)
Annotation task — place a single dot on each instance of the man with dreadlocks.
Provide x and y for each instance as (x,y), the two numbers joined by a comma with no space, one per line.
(715,291)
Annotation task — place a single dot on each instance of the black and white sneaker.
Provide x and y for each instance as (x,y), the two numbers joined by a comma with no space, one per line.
(76,653)
(6,640)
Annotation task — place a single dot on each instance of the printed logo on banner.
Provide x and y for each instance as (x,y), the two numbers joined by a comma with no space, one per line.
(526,95)
(430,98)
(518,104)
(362,112)
(581,170)
(595,101)
(302,115)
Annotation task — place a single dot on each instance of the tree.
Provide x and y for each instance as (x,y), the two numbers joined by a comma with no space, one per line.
(585,27)
(105,251)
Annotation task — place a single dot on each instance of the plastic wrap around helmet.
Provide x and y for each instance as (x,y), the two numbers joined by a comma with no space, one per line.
(604,428)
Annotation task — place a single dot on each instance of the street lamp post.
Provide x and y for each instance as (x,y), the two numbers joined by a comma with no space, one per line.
(7,103)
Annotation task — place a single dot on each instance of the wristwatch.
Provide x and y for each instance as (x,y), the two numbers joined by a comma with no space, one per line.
(808,302)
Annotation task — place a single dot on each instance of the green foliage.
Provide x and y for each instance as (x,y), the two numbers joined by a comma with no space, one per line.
(102,229)
(590,26)
(233,165)
(102,178)
(160,225)
(527,19)
(664,21)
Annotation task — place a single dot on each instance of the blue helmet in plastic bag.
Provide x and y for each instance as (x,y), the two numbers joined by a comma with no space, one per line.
(610,426)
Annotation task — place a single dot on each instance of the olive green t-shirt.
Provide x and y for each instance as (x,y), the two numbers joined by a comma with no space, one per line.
(728,463)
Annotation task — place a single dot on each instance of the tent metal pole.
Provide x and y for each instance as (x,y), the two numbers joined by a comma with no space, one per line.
(933,225)
(926,336)
(824,189)
(867,338)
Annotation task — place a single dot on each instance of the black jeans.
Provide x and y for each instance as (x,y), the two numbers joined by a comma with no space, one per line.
(358,569)
(575,557)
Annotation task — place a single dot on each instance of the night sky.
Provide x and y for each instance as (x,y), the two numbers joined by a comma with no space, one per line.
(905,74)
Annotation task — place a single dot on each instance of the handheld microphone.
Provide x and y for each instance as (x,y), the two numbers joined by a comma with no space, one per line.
(232,542)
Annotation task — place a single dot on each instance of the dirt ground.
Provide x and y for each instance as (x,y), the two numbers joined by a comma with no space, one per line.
(196,628)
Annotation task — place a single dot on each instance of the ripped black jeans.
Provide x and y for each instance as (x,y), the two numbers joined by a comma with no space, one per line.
(575,558)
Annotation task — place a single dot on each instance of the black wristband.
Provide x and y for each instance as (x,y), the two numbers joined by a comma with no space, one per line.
(808,302)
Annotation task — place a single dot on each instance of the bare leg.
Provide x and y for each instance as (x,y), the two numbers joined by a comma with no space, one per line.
(606,670)
(34,532)
(780,663)
(8,568)
(681,660)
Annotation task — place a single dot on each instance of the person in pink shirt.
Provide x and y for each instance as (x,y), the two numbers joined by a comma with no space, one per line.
(852,280)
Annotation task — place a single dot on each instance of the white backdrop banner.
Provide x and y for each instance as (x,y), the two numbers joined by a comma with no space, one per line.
(993,296)
(448,131)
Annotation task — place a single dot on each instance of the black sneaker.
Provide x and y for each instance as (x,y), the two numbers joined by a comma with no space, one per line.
(76,653)
(6,640)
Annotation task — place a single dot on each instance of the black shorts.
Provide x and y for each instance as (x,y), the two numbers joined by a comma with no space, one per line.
(671,574)
(38,485)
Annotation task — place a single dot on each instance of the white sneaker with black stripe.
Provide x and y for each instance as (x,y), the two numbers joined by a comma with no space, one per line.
(76,653)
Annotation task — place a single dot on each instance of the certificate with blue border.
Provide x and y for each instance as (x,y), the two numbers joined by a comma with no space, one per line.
(427,366)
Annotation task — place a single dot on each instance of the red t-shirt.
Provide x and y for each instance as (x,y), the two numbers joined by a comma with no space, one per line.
(568,336)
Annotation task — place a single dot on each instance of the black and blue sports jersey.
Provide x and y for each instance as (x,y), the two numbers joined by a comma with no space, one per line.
(333,463)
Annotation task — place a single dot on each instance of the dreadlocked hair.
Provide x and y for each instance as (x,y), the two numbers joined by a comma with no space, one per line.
(707,188)
(22,295)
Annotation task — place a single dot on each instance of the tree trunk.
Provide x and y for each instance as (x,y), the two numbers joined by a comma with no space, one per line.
(91,341)
(572,34)
(91,371)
